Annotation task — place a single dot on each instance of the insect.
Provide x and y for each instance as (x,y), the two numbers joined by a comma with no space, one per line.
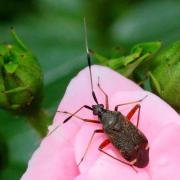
(121,132)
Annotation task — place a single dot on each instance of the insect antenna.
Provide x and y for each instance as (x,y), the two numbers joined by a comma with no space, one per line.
(92,89)
(89,61)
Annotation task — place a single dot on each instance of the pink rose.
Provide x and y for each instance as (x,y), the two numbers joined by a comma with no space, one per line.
(59,153)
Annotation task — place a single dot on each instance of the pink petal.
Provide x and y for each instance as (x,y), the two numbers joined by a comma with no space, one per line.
(155,113)
(46,162)
(105,169)
(59,153)
(165,159)
(54,159)
(155,116)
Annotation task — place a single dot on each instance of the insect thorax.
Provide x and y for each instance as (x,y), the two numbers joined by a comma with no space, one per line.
(109,119)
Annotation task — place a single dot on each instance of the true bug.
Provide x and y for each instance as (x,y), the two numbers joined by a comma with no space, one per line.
(125,136)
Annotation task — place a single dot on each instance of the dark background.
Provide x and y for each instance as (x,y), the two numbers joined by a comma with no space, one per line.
(53,30)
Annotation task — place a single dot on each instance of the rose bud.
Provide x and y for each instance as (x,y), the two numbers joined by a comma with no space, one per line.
(21,79)
(21,84)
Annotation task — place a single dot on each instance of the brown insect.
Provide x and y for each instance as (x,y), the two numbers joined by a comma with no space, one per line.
(124,135)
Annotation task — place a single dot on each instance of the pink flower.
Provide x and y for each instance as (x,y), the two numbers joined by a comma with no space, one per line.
(59,153)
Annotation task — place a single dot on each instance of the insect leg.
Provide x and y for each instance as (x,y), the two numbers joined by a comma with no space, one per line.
(104,144)
(89,61)
(90,141)
(132,102)
(106,96)
(133,110)
(83,119)
(68,118)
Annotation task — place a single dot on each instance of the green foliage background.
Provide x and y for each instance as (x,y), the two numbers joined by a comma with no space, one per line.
(53,30)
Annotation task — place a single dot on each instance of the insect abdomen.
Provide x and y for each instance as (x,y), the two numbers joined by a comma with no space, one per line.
(126,138)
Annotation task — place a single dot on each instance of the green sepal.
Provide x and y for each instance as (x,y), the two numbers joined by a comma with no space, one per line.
(147,47)
(10,68)
(11,64)
(102,60)
(127,64)
(124,60)
(166,72)
(10,60)
(16,90)
(152,48)
(128,70)
(18,40)
(155,83)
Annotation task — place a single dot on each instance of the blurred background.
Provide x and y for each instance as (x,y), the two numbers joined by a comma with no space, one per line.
(53,30)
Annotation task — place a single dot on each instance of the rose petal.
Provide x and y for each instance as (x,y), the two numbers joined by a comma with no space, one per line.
(46,162)
(155,115)
(54,159)
(104,169)
(165,159)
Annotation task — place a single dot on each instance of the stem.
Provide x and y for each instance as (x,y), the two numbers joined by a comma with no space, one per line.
(40,120)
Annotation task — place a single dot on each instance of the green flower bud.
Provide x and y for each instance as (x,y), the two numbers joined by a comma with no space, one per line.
(21,79)
(165,75)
